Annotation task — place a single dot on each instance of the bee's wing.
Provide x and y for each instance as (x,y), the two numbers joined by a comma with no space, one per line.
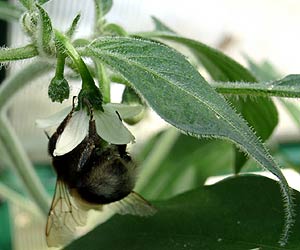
(133,204)
(63,218)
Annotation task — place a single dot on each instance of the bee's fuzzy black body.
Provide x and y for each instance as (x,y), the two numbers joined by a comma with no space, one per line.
(100,173)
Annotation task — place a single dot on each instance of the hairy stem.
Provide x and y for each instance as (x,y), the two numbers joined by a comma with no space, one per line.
(13,54)
(255,89)
(87,79)
(22,165)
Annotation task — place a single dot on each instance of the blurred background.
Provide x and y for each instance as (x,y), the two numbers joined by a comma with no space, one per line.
(264,30)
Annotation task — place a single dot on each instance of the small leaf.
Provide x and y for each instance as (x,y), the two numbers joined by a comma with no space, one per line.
(233,214)
(113,29)
(73,26)
(45,34)
(28,4)
(102,7)
(58,90)
(41,2)
(181,96)
(159,26)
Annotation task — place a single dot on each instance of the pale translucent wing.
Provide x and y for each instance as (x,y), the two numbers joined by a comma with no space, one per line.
(64,216)
(133,204)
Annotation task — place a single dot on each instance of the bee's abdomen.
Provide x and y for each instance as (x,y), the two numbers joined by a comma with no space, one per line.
(107,181)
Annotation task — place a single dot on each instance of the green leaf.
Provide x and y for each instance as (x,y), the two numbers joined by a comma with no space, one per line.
(45,34)
(113,29)
(28,4)
(267,72)
(73,26)
(233,214)
(198,160)
(41,2)
(159,26)
(9,12)
(182,97)
(223,68)
(262,116)
(102,7)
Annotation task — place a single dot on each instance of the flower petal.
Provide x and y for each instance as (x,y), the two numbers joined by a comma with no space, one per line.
(73,134)
(126,111)
(110,127)
(53,120)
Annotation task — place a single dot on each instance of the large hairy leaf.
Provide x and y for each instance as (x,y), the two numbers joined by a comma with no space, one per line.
(182,97)
(234,214)
(225,69)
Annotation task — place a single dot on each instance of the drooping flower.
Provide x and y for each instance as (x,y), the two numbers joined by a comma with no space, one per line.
(109,126)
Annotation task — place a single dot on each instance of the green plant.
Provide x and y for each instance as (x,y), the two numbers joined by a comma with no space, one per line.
(158,76)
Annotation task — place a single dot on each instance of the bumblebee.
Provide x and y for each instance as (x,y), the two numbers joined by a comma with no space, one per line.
(93,175)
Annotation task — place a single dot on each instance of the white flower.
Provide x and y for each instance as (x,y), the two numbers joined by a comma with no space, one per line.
(108,125)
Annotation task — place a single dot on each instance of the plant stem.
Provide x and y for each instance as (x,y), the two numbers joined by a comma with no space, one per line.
(89,90)
(60,65)
(255,89)
(156,156)
(87,79)
(17,81)
(12,54)
(22,165)
(104,82)
(16,153)
(17,199)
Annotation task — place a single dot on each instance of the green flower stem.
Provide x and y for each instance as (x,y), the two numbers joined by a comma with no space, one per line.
(155,157)
(20,201)
(9,12)
(22,165)
(255,89)
(104,81)
(89,89)
(12,54)
(17,81)
(87,79)
(60,65)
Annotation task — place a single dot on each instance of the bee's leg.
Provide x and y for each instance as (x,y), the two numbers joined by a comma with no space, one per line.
(85,154)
